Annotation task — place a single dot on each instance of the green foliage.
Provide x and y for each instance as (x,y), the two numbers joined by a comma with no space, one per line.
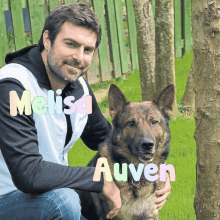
(28,39)
(11,40)
(125,25)
(127,42)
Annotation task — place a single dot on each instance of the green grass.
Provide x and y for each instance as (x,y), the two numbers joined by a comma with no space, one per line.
(130,87)
(182,155)
(182,69)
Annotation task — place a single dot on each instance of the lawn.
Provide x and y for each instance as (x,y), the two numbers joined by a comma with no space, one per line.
(182,155)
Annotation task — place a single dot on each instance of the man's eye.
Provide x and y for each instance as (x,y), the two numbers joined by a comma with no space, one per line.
(154,122)
(88,50)
(69,44)
(131,123)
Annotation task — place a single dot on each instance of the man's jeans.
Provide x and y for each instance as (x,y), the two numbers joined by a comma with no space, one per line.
(59,204)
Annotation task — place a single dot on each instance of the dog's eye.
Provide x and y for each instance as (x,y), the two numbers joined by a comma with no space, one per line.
(131,123)
(154,122)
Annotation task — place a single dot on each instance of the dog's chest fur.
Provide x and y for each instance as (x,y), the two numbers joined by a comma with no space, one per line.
(138,200)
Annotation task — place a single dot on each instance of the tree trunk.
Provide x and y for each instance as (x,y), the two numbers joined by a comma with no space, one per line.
(164,70)
(146,47)
(188,99)
(206,49)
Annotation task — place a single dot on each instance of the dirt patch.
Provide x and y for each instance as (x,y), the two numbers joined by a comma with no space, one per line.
(100,95)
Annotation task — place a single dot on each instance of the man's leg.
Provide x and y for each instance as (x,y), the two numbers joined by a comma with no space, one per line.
(59,204)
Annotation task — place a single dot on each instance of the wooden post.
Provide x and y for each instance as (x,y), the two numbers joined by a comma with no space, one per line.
(37,18)
(132,34)
(18,24)
(187,26)
(104,61)
(4,48)
(177,28)
(121,36)
(53,4)
(113,38)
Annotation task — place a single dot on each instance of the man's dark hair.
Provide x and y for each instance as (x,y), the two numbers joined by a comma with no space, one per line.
(78,13)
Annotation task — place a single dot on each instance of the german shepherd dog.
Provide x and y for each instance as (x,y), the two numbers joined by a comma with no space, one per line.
(140,134)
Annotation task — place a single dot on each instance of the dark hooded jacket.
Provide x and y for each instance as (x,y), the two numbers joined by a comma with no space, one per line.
(42,177)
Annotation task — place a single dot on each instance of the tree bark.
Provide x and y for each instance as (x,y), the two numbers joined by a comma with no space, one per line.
(188,99)
(206,49)
(146,47)
(164,36)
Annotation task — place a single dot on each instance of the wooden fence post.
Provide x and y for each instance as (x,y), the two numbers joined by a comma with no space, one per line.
(53,4)
(37,18)
(132,34)
(114,44)
(70,1)
(115,26)
(153,9)
(178,28)
(4,49)
(104,61)
(187,26)
(121,36)
(18,24)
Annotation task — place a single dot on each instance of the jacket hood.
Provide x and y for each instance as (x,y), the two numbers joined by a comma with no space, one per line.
(30,57)
(20,53)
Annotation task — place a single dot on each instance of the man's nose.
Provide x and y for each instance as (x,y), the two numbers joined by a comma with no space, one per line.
(79,54)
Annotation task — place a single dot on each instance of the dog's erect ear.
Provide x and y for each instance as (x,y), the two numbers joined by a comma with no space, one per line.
(116,99)
(166,100)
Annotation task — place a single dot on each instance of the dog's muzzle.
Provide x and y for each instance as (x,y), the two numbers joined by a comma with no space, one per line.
(147,150)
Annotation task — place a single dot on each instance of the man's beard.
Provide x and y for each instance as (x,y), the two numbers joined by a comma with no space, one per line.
(56,70)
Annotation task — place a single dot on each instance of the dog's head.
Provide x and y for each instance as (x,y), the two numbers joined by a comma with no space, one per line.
(140,129)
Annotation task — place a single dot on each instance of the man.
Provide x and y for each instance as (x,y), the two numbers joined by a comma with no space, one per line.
(35,181)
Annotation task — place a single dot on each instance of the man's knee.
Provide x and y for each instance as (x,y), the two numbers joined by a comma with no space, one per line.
(67,203)
(60,204)
(70,198)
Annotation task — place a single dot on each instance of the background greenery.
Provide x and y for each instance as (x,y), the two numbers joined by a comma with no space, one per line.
(182,155)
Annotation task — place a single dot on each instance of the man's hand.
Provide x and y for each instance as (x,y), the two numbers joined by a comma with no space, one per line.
(111,192)
(163,193)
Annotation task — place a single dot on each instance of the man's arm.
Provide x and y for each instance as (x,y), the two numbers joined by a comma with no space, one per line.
(97,129)
(19,146)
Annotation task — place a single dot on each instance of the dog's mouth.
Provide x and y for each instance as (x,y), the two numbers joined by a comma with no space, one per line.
(147,157)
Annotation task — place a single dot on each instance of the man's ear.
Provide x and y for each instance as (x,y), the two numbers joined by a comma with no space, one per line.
(46,40)
(166,100)
(117,100)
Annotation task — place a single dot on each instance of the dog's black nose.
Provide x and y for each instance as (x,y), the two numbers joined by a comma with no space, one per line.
(147,144)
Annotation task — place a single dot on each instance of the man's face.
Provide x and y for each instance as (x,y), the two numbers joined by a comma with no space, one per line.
(71,54)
